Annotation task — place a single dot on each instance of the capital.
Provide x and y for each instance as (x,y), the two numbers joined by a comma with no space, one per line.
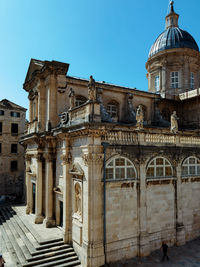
(92,158)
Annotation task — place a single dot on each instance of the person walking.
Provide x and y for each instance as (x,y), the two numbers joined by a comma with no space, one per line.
(164,248)
(2,261)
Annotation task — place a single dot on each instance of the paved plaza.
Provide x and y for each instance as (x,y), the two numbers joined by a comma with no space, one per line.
(187,255)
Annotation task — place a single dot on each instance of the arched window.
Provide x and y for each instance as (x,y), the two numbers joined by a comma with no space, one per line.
(80,100)
(119,168)
(158,168)
(191,167)
(112,109)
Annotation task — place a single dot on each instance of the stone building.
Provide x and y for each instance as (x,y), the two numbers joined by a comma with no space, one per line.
(12,126)
(117,168)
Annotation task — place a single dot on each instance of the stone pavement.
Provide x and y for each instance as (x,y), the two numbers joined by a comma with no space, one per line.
(185,256)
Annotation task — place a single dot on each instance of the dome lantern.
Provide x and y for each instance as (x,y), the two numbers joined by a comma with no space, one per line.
(172,18)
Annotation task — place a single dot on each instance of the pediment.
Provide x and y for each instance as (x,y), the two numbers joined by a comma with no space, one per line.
(34,65)
(76,170)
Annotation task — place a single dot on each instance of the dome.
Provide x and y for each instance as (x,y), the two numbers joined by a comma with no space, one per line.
(173,37)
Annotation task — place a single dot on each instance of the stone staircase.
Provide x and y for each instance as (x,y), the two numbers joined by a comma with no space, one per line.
(21,245)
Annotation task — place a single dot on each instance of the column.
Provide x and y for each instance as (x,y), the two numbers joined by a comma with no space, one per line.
(180,229)
(49,221)
(28,185)
(38,212)
(67,216)
(144,249)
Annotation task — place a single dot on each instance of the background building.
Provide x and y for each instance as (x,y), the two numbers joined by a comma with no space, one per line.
(111,165)
(12,126)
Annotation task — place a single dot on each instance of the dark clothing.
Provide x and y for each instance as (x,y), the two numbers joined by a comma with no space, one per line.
(165,247)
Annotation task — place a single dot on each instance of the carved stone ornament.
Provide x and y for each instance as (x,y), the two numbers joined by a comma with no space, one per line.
(67,159)
(39,157)
(31,95)
(92,158)
(48,157)
(158,118)
(105,116)
(174,123)
(28,157)
(91,89)
(76,170)
(64,118)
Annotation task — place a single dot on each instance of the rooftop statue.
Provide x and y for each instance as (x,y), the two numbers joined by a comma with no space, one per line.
(91,90)
(140,117)
(71,98)
(174,123)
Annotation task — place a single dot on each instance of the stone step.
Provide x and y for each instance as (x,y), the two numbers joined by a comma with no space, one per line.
(50,254)
(20,229)
(23,225)
(67,264)
(19,238)
(50,245)
(53,261)
(39,252)
(22,248)
(28,226)
(10,247)
(34,232)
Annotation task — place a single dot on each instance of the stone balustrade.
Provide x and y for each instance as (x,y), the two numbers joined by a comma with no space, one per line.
(125,137)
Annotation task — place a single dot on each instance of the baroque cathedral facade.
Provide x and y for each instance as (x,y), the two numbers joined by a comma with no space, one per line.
(116,168)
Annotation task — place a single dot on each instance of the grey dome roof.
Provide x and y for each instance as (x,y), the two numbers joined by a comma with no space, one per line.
(173,37)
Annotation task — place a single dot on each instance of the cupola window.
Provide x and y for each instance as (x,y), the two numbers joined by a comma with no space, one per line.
(174,79)
(191,80)
(157,83)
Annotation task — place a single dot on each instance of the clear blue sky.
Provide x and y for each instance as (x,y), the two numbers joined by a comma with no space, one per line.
(109,39)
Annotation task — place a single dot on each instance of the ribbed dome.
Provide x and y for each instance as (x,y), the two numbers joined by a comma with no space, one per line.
(173,37)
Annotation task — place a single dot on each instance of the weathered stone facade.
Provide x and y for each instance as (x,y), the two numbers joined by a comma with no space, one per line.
(12,127)
(102,162)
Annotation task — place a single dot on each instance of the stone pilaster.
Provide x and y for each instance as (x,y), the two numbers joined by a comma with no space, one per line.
(67,220)
(28,185)
(52,120)
(93,249)
(180,229)
(30,110)
(39,217)
(49,221)
(144,249)
(41,105)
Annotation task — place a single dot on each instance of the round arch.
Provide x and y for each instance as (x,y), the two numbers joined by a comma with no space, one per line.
(120,168)
(191,166)
(159,167)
